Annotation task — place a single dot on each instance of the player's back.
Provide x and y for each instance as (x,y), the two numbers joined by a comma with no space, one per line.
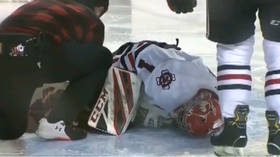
(65,20)
(171,77)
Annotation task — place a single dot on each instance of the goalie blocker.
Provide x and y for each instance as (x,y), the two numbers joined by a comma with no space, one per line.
(117,103)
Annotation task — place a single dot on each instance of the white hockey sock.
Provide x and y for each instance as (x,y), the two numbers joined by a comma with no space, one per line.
(234,87)
(272,83)
(234,75)
(272,90)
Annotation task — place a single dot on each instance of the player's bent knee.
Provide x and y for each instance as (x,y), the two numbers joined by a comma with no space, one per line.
(10,133)
(86,57)
(108,58)
(12,128)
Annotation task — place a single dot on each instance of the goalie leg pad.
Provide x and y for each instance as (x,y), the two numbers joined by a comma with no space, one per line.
(117,103)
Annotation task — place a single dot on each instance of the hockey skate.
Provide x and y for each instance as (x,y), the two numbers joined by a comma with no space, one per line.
(273,143)
(59,131)
(233,138)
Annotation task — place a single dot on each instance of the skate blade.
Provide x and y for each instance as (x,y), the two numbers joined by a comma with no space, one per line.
(228,151)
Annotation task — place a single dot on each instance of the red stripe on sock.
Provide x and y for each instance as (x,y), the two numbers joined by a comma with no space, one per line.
(234,76)
(272,82)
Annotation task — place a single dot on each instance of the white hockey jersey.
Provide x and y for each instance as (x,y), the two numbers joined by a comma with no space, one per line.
(171,77)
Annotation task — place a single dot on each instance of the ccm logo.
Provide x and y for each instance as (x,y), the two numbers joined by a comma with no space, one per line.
(275,22)
(101,102)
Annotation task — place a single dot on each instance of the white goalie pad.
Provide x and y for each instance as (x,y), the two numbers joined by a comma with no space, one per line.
(117,103)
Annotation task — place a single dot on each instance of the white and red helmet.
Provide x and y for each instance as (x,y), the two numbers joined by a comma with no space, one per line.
(199,115)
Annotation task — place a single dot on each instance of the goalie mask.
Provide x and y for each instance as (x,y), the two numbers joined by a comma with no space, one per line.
(200,114)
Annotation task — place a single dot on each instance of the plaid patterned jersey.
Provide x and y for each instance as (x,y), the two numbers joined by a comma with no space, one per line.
(65,20)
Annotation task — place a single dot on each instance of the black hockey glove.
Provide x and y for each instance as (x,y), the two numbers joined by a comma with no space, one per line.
(181,6)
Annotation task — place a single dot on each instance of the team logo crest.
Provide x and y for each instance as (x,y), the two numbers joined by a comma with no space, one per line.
(165,79)
(18,51)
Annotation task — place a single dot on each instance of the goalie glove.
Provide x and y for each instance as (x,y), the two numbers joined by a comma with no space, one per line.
(152,116)
(181,6)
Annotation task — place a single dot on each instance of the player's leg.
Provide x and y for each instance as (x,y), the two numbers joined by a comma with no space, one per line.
(234,89)
(13,117)
(13,113)
(19,78)
(17,87)
(269,14)
(86,69)
(231,24)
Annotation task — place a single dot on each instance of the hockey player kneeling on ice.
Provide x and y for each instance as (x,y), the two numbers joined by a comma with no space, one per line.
(51,41)
(176,89)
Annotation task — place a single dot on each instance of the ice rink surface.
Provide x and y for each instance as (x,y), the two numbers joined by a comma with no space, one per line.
(141,20)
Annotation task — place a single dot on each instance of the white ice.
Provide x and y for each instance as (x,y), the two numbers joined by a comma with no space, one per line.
(151,19)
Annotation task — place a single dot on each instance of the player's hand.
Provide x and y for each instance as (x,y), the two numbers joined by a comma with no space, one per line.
(153,116)
(181,6)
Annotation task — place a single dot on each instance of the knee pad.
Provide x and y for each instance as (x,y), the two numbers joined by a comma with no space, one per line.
(236,54)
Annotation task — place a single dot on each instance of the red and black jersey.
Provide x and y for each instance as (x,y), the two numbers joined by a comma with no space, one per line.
(65,20)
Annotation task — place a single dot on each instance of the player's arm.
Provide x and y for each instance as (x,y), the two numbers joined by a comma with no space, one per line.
(181,6)
(151,115)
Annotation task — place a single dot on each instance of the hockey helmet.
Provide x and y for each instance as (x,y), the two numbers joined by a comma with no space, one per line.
(199,115)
